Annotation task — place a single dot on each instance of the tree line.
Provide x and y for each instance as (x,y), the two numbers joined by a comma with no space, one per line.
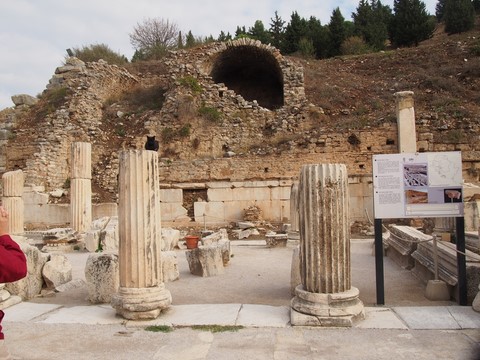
(374,26)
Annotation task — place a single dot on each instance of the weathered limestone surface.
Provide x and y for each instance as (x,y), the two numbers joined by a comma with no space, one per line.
(205,261)
(407,140)
(294,226)
(170,238)
(57,271)
(32,284)
(325,296)
(102,277)
(12,200)
(142,293)
(447,267)
(81,187)
(476,301)
(295,278)
(170,266)
(403,242)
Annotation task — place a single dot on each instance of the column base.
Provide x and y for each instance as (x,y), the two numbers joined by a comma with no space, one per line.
(141,303)
(329,310)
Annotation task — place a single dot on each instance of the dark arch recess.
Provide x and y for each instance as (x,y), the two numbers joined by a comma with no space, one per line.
(251,72)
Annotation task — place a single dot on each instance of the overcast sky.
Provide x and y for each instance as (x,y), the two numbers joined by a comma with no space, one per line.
(34,34)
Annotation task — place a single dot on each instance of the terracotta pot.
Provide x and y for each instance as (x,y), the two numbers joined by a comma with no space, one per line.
(191,241)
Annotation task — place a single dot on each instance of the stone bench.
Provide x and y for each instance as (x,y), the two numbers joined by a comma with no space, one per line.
(447,267)
(402,242)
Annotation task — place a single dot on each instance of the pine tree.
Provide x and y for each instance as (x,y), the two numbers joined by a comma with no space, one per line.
(476,6)
(180,40)
(224,37)
(337,32)
(459,16)
(295,30)
(190,40)
(410,23)
(318,34)
(258,32)
(240,32)
(440,10)
(277,31)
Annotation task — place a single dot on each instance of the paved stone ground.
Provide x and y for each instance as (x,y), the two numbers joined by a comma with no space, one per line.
(254,292)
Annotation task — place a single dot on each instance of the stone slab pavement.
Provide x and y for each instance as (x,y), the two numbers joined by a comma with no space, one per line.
(253,297)
(49,331)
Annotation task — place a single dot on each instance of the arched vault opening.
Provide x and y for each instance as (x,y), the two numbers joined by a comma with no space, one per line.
(252,72)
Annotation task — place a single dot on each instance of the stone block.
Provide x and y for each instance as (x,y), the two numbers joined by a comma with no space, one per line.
(280,193)
(209,212)
(219,185)
(222,194)
(170,266)
(252,194)
(171,196)
(172,211)
(403,242)
(57,271)
(447,267)
(205,261)
(102,277)
(34,197)
(104,209)
(170,238)
(276,240)
(32,284)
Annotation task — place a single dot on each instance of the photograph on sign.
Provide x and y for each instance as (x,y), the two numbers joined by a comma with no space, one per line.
(417,185)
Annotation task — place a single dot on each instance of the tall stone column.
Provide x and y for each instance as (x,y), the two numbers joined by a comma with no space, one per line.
(81,186)
(325,297)
(407,139)
(142,293)
(293,234)
(13,182)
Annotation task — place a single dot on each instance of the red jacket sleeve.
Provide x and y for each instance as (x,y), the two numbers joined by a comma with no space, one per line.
(13,264)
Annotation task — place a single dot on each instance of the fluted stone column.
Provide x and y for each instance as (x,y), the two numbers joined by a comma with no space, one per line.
(13,182)
(325,297)
(142,293)
(407,139)
(81,187)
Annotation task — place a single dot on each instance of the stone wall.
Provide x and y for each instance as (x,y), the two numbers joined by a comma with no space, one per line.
(247,144)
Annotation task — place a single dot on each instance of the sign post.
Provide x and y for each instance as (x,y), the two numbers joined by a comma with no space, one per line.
(418,185)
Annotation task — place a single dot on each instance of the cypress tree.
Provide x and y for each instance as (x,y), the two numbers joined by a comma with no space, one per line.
(277,31)
(337,31)
(410,23)
(459,16)
(295,30)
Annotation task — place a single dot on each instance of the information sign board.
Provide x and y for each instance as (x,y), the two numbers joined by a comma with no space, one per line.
(411,185)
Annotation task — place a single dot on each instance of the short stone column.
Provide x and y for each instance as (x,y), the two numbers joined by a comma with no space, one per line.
(325,297)
(407,139)
(81,187)
(13,182)
(142,293)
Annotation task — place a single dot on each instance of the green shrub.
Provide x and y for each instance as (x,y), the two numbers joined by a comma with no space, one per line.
(96,52)
(168,134)
(191,83)
(217,328)
(184,130)
(150,98)
(159,328)
(354,45)
(209,113)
